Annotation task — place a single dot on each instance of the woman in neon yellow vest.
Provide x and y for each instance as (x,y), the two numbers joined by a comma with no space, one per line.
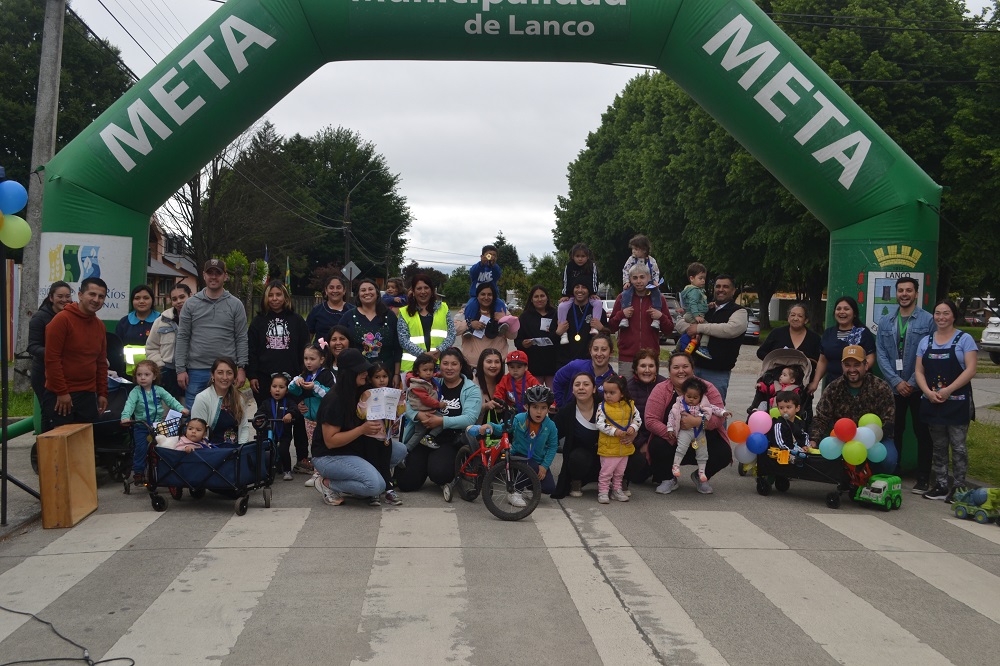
(425,324)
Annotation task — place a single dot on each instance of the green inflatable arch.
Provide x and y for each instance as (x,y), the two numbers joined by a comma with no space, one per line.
(878,204)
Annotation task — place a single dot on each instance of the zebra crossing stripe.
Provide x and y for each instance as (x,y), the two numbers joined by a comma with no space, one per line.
(988,532)
(799,588)
(615,593)
(42,578)
(199,617)
(958,578)
(417,593)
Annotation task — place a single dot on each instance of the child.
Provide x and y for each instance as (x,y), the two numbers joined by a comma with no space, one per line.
(580,267)
(695,305)
(694,402)
(378,377)
(788,430)
(314,383)
(279,411)
(639,245)
(395,294)
(533,436)
(617,418)
(512,388)
(485,270)
(790,378)
(422,395)
(194,436)
(155,404)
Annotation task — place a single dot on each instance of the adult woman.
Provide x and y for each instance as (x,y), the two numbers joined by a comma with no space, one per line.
(539,322)
(277,338)
(579,323)
(163,334)
(462,404)
(222,407)
(328,314)
(847,331)
(133,328)
(60,295)
(794,336)
(425,325)
(489,372)
(662,443)
(645,377)
(372,329)
(597,365)
(345,451)
(576,422)
(495,334)
(946,364)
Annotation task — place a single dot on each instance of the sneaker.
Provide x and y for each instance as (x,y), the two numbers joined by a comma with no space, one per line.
(303,466)
(575,489)
(676,469)
(938,492)
(701,477)
(329,497)
(564,340)
(702,486)
(625,488)
(619,495)
(429,442)
(920,487)
(516,500)
(624,324)
(668,486)
(656,324)
(602,498)
(311,481)
(138,479)
(703,352)
(374,501)
(393,498)
(287,476)
(528,494)
(950,497)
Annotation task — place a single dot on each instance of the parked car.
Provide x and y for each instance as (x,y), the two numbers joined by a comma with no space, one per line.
(752,335)
(991,339)
(974,320)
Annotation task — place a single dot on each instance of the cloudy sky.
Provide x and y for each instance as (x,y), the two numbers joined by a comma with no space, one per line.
(479,147)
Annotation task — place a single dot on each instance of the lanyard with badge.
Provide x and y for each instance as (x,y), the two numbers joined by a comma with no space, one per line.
(901,342)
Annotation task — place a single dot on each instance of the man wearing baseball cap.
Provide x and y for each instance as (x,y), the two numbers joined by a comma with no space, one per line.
(518,379)
(854,394)
(213,324)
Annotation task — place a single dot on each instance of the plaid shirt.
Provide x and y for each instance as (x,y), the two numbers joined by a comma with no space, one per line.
(837,402)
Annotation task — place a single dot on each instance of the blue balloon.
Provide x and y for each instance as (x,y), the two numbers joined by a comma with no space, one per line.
(831,448)
(878,452)
(757,443)
(888,465)
(13,197)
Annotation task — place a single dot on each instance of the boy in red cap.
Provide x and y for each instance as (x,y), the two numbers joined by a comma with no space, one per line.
(518,379)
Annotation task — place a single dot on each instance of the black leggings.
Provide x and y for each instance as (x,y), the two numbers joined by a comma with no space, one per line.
(582,465)
(438,465)
(661,455)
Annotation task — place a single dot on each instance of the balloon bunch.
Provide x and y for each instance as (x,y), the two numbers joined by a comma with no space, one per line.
(856,442)
(750,437)
(14,231)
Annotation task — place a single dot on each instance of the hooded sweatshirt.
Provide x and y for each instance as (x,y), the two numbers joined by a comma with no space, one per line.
(76,353)
(277,343)
(210,329)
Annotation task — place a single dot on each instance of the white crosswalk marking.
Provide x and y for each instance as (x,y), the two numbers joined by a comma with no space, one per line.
(619,593)
(200,615)
(989,532)
(798,588)
(956,577)
(417,592)
(41,579)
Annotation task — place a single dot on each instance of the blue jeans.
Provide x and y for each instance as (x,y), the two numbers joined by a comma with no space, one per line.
(656,300)
(355,475)
(718,378)
(140,432)
(198,381)
(548,483)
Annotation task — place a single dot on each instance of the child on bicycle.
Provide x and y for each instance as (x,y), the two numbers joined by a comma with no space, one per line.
(617,420)
(511,389)
(533,436)
(150,402)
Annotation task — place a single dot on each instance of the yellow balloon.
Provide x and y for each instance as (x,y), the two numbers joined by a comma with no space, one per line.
(855,452)
(15,232)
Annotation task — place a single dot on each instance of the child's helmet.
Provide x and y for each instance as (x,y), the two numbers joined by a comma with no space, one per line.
(539,393)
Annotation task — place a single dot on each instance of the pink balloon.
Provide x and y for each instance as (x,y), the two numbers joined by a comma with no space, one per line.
(759,421)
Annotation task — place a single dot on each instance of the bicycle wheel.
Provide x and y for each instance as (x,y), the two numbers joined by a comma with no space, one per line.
(468,481)
(507,481)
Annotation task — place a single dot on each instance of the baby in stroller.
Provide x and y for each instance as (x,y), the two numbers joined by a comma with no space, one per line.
(783,370)
(195,437)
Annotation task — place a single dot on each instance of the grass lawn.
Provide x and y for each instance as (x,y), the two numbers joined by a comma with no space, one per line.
(984,453)
(21,404)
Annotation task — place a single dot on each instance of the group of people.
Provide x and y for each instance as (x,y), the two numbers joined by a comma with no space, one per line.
(310,377)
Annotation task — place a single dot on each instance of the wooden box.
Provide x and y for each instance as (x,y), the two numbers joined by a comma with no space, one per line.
(66,475)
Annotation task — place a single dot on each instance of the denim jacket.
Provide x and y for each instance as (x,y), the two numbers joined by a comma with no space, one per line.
(887,338)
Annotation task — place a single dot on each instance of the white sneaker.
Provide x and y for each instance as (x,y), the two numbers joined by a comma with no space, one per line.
(516,500)
(311,481)
(619,496)
(668,486)
(575,489)
(602,498)
(287,476)
(564,340)
(527,494)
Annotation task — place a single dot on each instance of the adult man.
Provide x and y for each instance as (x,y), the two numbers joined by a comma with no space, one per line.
(579,323)
(213,324)
(853,395)
(76,360)
(896,344)
(726,323)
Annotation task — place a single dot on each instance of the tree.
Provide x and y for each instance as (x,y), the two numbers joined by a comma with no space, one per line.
(456,288)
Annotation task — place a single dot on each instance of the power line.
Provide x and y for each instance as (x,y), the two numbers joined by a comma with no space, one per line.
(137,24)
(868,18)
(101,3)
(460,254)
(183,28)
(165,23)
(100,43)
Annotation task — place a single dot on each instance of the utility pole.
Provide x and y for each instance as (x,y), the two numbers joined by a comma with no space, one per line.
(43,147)
(347,217)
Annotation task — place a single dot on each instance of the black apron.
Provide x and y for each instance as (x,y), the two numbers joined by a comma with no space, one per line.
(941,368)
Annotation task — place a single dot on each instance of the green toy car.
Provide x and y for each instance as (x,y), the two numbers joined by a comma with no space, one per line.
(884,490)
(980,504)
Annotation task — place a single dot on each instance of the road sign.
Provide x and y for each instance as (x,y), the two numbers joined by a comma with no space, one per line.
(351,270)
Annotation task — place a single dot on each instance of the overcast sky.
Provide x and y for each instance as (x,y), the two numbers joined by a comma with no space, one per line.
(479,147)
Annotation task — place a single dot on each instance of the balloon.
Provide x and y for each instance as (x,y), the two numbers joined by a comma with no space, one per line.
(877,429)
(774,412)
(738,431)
(845,429)
(877,453)
(15,232)
(870,419)
(891,456)
(866,437)
(757,442)
(743,454)
(13,197)
(831,448)
(855,452)
(759,422)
